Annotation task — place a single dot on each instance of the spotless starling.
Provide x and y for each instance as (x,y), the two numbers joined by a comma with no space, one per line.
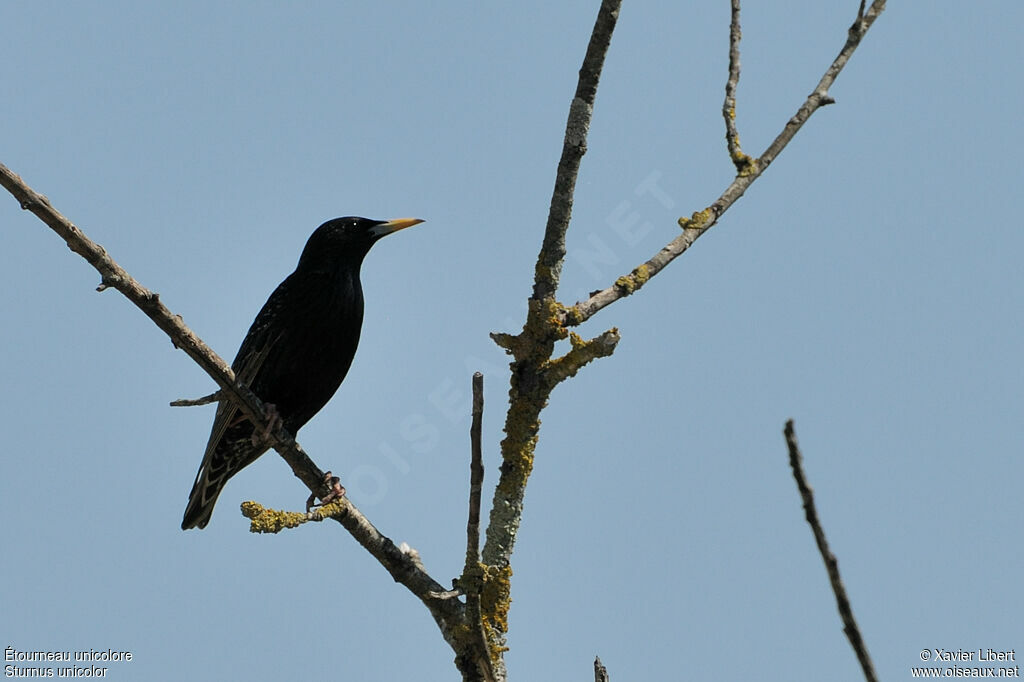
(296,353)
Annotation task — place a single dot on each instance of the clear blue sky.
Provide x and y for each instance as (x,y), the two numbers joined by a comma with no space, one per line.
(868,286)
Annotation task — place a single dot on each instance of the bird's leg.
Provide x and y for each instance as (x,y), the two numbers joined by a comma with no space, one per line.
(273,422)
(334,490)
(337,490)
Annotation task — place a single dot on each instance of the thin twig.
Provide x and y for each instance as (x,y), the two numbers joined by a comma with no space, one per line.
(404,566)
(742,162)
(472,574)
(214,397)
(476,472)
(701,221)
(831,563)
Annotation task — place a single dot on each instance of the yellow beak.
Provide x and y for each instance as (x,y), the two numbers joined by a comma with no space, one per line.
(393,226)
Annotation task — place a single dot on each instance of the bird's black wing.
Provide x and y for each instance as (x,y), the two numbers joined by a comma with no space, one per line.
(230,448)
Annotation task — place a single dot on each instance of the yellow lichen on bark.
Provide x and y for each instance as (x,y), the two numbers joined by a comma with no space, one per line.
(698,220)
(496,597)
(263,520)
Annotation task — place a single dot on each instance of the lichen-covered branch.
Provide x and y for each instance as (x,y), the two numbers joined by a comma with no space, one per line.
(831,563)
(264,520)
(583,353)
(704,219)
(534,371)
(532,375)
(404,566)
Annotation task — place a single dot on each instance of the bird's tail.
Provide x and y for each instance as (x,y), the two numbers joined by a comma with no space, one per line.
(230,450)
(202,498)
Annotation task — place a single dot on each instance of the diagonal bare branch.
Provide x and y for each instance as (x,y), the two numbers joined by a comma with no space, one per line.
(702,221)
(403,565)
(831,563)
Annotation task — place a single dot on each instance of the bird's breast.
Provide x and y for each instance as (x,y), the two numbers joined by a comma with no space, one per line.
(317,342)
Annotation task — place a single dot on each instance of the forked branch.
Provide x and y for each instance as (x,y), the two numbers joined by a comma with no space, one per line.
(703,220)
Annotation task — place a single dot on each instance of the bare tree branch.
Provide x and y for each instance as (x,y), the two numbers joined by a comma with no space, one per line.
(214,397)
(742,162)
(574,146)
(403,565)
(831,563)
(472,575)
(476,472)
(701,221)
(531,382)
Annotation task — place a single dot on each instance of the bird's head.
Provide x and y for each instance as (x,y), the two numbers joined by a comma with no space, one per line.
(348,239)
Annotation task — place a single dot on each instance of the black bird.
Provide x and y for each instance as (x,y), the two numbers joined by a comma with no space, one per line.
(296,353)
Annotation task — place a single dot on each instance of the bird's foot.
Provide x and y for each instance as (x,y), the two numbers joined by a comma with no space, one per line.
(273,422)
